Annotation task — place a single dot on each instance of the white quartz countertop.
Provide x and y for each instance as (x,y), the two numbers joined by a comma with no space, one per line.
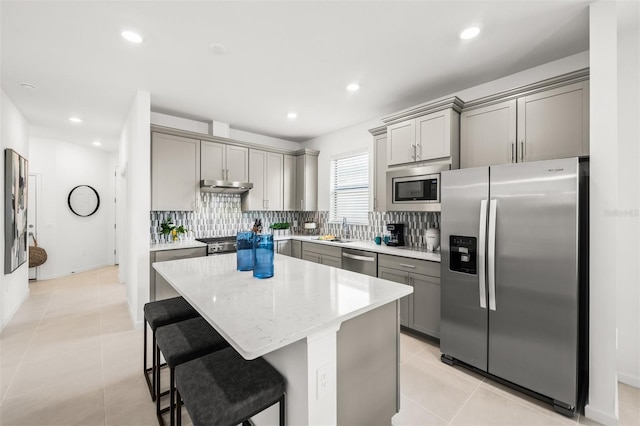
(372,246)
(410,252)
(258,316)
(174,245)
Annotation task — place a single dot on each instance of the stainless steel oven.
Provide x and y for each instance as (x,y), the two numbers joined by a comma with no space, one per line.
(414,188)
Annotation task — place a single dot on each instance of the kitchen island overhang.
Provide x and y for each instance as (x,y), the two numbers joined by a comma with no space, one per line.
(333,334)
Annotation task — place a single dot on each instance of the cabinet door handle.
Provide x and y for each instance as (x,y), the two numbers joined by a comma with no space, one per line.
(301,205)
(408,266)
(512,146)
(522,149)
(419,156)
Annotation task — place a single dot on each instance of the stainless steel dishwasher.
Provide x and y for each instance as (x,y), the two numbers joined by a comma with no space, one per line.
(364,262)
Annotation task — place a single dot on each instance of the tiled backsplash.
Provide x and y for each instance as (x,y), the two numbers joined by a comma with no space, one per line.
(220,215)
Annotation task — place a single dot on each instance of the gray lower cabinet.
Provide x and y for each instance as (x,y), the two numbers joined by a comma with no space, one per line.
(420,310)
(283,247)
(159,288)
(296,249)
(323,254)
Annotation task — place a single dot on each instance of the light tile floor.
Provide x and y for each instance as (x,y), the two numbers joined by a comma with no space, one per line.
(70,356)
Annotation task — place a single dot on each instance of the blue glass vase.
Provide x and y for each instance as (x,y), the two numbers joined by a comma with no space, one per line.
(244,250)
(263,256)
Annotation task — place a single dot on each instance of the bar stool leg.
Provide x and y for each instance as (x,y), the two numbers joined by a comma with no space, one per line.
(157,384)
(172,388)
(282,410)
(179,408)
(145,369)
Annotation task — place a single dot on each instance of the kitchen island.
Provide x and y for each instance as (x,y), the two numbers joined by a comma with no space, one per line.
(333,334)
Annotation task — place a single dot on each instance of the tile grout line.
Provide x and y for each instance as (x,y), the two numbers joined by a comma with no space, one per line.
(466,401)
(535,408)
(44,312)
(424,408)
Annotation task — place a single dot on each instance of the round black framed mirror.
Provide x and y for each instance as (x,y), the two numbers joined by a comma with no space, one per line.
(83,200)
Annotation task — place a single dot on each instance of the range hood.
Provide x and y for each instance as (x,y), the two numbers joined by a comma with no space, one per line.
(224,186)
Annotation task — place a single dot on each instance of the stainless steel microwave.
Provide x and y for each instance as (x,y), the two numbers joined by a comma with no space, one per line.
(414,188)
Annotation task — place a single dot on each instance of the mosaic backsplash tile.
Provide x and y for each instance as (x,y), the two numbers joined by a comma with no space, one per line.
(220,215)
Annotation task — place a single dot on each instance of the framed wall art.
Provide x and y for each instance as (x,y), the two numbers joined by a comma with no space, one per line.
(15,210)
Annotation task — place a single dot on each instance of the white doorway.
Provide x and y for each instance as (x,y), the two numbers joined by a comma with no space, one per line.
(32,215)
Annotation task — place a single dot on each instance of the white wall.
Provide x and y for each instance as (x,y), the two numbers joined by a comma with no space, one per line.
(357,137)
(603,388)
(134,184)
(14,133)
(73,243)
(628,250)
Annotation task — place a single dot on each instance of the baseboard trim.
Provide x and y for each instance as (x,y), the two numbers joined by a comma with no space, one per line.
(137,324)
(629,379)
(66,274)
(15,309)
(608,419)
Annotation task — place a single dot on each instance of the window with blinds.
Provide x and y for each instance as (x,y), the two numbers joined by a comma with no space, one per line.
(350,188)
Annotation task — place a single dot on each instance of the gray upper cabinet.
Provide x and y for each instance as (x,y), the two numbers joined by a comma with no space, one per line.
(554,123)
(426,133)
(488,135)
(380,173)
(175,172)
(307,181)
(289,184)
(436,135)
(530,125)
(220,161)
(266,174)
(401,143)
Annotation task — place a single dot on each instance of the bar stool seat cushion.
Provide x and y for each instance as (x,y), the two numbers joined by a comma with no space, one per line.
(167,311)
(224,388)
(186,340)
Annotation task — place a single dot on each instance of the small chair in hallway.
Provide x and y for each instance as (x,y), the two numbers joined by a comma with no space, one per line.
(223,388)
(158,314)
(179,343)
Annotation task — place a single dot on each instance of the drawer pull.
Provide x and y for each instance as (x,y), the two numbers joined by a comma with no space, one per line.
(408,266)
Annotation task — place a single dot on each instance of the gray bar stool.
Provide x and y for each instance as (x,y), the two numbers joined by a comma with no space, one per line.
(158,314)
(223,388)
(179,343)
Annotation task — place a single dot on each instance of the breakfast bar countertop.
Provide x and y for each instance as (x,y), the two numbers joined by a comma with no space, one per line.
(259,316)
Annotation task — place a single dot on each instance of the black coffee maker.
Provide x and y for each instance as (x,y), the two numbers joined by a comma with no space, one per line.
(397,234)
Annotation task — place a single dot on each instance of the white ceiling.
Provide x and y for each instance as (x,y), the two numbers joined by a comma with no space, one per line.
(281,57)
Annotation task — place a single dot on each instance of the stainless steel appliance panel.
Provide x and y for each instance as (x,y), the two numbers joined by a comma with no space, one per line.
(364,262)
(463,327)
(533,297)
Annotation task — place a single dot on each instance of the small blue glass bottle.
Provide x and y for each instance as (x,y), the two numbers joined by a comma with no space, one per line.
(244,250)
(263,256)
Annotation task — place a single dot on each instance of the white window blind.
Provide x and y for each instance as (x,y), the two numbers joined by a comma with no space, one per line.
(350,188)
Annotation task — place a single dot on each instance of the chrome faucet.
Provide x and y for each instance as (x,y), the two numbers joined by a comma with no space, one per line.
(345,228)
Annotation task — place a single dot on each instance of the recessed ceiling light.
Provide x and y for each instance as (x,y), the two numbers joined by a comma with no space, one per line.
(292,115)
(469,33)
(28,86)
(218,48)
(75,120)
(353,87)
(132,37)
(97,143)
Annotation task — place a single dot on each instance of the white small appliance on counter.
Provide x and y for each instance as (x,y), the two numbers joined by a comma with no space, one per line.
(433,239)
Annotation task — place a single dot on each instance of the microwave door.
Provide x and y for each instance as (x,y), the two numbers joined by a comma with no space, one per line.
(410,190)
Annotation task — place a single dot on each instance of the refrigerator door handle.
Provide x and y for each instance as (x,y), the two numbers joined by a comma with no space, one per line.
(493,205)
(482,233)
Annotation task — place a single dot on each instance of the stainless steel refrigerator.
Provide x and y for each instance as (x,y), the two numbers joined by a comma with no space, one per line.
(514,273)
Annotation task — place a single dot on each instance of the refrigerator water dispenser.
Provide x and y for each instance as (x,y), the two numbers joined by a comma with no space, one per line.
(463,254)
